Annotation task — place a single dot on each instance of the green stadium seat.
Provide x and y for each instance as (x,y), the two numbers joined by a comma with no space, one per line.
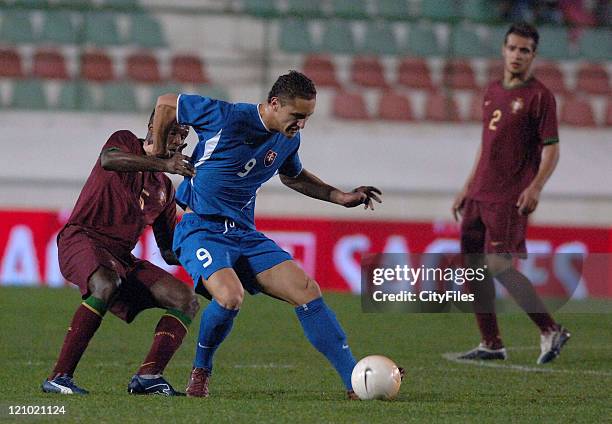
(495,40)
(59,27)
(76,95)
(122,5)
(119,97)
(465,42)
(157,90)
(294,36)
(311,8)
(32,4)
(553,43)
(422,41)
(17,27)
(338,37)
(393,9)
(379,39)
(213,91)
(83,5)
(596,44)
(261,8)
(146,31)
(479,10)
(101,29)
(349,9)
(28,94)
(440,10)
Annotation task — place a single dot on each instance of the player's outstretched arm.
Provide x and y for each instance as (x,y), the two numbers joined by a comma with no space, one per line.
(312,186)
(117,160)
(165,116)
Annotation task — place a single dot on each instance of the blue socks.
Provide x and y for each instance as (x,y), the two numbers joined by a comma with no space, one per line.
(215,325)
(324,332)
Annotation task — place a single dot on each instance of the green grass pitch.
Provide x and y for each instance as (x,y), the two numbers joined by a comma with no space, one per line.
(267,372)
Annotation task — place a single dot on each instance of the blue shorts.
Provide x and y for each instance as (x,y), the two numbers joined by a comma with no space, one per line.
(206,244)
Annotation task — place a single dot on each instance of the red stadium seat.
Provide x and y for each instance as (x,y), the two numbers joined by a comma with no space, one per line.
(188,69)
(368,72)
(143,67)
(414,73)
(550,75)
(49,64)
(349,106)
(577,112)
(10,64)
(495,70)
(593,79)
(321,70)
(97,66)
(394,106)
(458,74)
(441,107)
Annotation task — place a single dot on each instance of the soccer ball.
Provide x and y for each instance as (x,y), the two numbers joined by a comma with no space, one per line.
(376,377)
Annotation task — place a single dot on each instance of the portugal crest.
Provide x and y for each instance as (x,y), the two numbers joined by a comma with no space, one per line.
(270,157)
(516,105)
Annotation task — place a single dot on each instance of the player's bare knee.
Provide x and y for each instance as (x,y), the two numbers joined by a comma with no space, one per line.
(311,291)
(231,299)
(104,283)
(190,305)
(498,263)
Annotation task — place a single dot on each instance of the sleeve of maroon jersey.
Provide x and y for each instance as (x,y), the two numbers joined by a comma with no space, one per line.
(546,115)
(123,140)
(163,226)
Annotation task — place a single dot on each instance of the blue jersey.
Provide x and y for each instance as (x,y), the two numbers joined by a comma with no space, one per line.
(234,156)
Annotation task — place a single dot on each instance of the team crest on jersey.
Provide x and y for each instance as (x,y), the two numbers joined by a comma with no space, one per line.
(516,105)
(270,157)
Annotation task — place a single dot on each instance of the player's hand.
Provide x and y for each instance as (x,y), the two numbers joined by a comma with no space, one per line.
(364,195)
(170,257)
(528,200)
(179,164)
(458,204)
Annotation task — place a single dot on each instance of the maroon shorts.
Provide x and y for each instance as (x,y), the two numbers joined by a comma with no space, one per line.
(81,253)
(492,228)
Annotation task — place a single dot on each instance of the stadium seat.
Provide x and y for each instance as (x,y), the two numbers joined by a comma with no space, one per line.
(188,68)
(495,39)
(554,43)
(142,67)
(349,9)
(393,106)
(101,29)
(577,112)
(214,91)
(414,73)
(10,64)
(16,27)
(146,31)
(479,10)
(422,41)
(49,64)
(32,4)
(593,79)
(97,66)
(440,107)
(83,5)
(321,70)
(338,37)
(261,8)
(495,70)
(76,95)
(294,36)
(440,10)
(392,9)
(123,5)
(550,75)
(368,72)
(465,42)
(157,90)
(595,44)
(379,39)
(28,94)
(119,97)
(458,74)
(311,8)
(349,105)
(59,27)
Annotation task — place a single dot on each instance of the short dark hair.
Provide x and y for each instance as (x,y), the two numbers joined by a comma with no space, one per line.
(291,86)
(524,30)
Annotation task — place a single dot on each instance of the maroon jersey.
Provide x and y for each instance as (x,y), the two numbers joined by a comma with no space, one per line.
(517,123)
(114,207)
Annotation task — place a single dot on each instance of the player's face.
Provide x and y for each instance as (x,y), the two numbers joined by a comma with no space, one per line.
(518,53)
(291,116)
(176,137)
